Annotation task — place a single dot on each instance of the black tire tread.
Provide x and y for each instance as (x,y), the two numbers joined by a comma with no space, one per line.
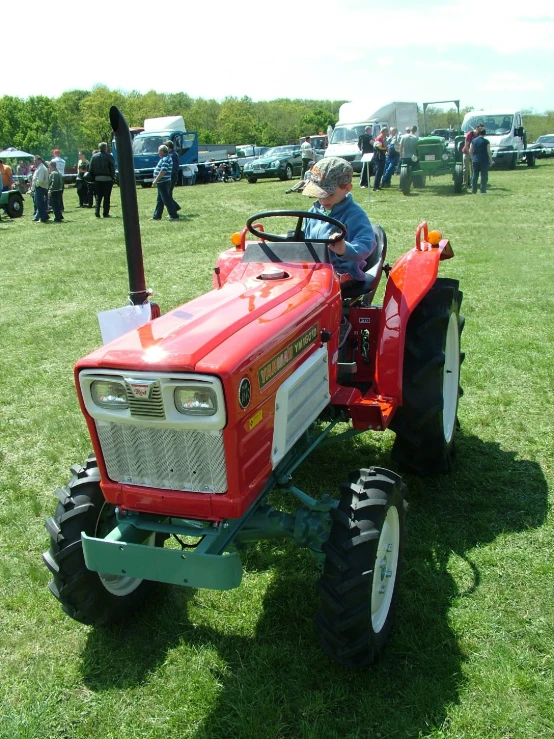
(344,619)
(80,591)
(420,445)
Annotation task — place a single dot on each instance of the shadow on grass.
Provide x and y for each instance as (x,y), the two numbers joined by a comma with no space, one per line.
(278,683)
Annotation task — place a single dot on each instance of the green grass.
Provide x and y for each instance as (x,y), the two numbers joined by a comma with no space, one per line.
(471,652)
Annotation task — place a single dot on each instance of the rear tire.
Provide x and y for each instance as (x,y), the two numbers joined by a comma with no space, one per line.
(252,180)
(363,559)
(426,422)
(458,177)
(530,159)
(14,208)
(405,180)
(87,596)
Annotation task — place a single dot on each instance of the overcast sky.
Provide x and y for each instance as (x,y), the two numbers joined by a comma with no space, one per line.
(492,54)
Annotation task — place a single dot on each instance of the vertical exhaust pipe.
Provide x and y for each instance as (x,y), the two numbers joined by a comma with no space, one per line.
(138,294)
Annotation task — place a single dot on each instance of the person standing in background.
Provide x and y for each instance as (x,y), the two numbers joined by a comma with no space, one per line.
(481,160)
(408,150)
(60,166)
(102,173)
(39,190)
(393,156)
(162,178)
(7,176)
(470,135)
(82,159)
(307,154)
(175,171)
(55,189)
(380,157)
(366,144)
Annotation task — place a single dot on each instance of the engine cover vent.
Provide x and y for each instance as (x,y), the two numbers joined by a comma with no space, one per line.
(299,401)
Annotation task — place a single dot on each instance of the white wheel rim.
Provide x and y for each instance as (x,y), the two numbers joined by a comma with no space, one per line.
(385,568)
(121,585)
(451,378)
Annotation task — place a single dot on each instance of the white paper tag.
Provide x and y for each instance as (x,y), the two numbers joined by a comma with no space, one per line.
(116,322)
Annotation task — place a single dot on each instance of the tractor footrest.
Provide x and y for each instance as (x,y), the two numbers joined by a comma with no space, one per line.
(347,368)
(173,566)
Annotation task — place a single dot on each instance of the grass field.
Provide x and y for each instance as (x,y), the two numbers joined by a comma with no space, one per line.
(472,650)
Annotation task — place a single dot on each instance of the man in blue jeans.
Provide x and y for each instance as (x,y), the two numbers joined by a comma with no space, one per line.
(481,159)
(393,156)
(380,157)
(162,178)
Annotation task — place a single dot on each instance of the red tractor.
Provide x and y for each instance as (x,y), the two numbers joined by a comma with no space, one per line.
(199,414)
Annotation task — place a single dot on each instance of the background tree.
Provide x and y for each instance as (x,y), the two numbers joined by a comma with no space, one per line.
(11,131)
(316,121)
(94,114)
(38,118)
(235,121)
(68,132)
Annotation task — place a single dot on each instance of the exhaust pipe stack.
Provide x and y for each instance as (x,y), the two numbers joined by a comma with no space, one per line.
(138,293)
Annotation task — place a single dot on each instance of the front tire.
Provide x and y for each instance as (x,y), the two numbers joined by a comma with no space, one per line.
(458,177)
(87,596)
(363,559)
(14,208)
(426,422)
(405,180)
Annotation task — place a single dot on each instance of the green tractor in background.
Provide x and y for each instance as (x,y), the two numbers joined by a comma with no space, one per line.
(437,155)
(11,202)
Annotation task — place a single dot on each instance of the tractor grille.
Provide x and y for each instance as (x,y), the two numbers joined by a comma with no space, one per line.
(152,407)
(164,458)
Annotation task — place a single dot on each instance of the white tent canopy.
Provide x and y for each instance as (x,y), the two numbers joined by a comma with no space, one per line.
(13,153)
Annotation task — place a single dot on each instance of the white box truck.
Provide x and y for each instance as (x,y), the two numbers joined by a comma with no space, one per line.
(354,117)
(505,132)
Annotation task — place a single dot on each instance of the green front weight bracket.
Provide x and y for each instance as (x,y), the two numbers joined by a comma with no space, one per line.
(119,554)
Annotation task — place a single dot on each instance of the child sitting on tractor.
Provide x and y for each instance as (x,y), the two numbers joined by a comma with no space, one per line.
(331,183)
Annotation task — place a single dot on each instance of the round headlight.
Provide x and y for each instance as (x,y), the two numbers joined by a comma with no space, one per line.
(414,158)
(195,401)
(109,394)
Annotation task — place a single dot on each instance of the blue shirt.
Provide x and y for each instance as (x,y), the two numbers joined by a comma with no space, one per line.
(166,164)
(480,153)
(359,239)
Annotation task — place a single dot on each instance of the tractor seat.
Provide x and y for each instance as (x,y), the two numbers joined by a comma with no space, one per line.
(372,269)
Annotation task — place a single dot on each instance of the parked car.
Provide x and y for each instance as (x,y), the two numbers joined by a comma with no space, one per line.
(283,162)
(544,146)
(248,152)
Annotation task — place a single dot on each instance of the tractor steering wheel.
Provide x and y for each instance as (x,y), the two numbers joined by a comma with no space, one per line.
(298,235)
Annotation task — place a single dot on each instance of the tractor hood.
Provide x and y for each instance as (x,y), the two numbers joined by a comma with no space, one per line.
(224,328)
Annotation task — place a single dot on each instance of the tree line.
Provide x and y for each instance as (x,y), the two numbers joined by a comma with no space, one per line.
(78,119)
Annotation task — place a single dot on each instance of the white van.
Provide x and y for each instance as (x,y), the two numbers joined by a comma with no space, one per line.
(355,117)
(508,138)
